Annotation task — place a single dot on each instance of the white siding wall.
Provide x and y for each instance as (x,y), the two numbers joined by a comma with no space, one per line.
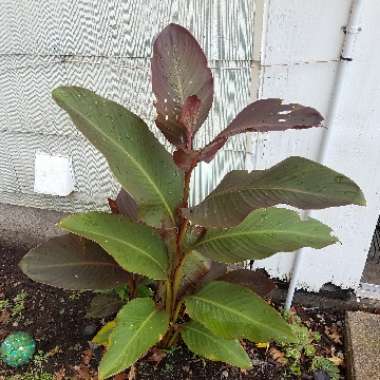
(106,46)
(297,48)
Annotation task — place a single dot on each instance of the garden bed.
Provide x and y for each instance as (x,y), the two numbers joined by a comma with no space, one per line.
(57,320)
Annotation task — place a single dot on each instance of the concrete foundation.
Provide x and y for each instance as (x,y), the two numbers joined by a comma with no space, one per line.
(363,346)
(27,226)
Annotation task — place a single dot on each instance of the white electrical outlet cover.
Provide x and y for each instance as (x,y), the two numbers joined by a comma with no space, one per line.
(53,175)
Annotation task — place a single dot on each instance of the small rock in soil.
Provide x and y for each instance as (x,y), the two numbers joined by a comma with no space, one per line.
(89,331)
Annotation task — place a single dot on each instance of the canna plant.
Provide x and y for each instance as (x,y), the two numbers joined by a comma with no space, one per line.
(154,240)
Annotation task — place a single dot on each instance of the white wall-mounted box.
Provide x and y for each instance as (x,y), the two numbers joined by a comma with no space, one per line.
(53,174)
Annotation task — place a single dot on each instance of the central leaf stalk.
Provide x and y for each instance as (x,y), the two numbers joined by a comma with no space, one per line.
(172,304)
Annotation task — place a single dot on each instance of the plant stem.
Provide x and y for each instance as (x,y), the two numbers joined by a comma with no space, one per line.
(173,308)
(132,286)
(177,310)
(186,192)
(179,241)
(173,339)
(185,204)
(169,297)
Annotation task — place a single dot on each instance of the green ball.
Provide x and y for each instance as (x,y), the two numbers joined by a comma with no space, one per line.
(17,349)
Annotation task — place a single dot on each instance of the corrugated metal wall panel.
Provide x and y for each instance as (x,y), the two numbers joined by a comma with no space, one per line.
(26,104)
(123,28)
(106,46)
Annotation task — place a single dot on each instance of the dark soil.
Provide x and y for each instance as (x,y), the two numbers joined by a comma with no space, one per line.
(56,319)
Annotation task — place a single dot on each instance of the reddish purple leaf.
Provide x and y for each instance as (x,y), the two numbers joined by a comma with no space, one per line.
(263,116)
(215,272)
(113,206)
(186,159)
(124,204)
(103,306)
(71,262)
(189,117)
(182,83)
(197,270)
(257,280)
(209,152)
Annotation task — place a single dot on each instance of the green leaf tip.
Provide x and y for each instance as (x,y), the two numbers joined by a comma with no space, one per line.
(61,92)
(360,201)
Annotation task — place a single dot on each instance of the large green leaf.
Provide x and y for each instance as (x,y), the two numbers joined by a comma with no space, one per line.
(263,233)
(71,262)
(203,342)
(141,164)
(135,247)
(139,325)
(295,181)
(234,312)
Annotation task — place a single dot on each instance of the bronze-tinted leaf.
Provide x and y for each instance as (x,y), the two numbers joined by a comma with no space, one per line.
(113,206)
(190,115)
(103,306)
(71,262)
(195,271)
(262,116)
(186,159)
(295,181)
(255,280)
(182,83)
(124,204)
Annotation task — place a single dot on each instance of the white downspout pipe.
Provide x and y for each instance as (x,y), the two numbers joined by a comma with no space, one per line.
(352,30)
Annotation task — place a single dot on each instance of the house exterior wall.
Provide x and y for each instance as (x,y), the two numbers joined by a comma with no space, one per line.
(296,56)
(290,49)
(106,46)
